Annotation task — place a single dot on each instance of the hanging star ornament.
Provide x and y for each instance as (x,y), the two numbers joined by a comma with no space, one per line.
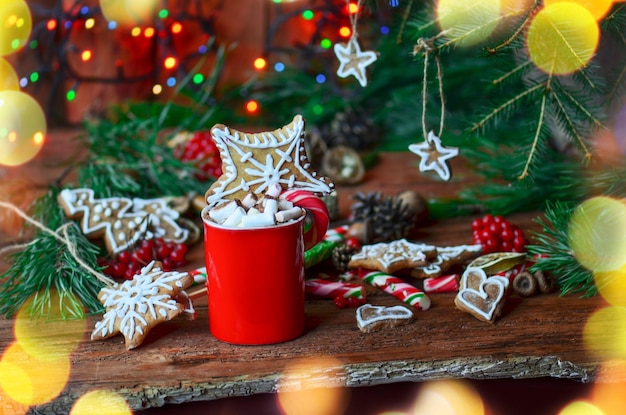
(353,61)
(434,156)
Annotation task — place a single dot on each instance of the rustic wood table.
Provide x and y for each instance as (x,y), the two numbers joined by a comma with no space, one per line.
(181,362)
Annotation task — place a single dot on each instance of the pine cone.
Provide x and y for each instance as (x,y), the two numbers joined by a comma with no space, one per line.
(352,128)
(390,218)
(341,256)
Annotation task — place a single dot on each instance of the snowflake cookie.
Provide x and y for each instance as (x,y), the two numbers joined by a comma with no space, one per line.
(252,163)
(390,257)
(136,306)
(353,61)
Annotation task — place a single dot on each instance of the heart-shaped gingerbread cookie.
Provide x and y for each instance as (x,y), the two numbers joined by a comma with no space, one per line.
(371,317)
(481,296)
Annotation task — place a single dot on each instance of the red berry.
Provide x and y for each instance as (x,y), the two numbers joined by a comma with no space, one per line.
(341,301)
(499,219)
(168,264)
(124,257)
(353,243)
(118,270)
(163,251)
(487,219)
(144,254)
(477,225)
(506,234)
(355,302)
(178,253)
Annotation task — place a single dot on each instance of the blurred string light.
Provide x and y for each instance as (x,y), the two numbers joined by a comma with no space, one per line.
(448,397)
(101,402)
(63,23)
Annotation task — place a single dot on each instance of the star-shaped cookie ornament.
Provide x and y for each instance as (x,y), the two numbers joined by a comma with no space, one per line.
(252,163)
(353,61)
(434,156)
(390,257)
(137,305)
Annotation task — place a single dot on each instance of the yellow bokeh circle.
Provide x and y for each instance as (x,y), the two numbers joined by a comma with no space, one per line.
(16,25)
(598,8)
(597,234)
(604,333)
(129,12)
(468,22)
(612,285)
(101,402)
(581,408)
(52,336)
(448,397)
(22,128)
(8,77)
(31,381)
(609,386)
(562,38)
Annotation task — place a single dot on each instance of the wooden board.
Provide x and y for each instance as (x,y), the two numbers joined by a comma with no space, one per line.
(181,362)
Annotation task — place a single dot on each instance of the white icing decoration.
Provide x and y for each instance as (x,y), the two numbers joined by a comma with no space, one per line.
(480,292)
(380,315)
(434,158)
(353,61)
(447,253)
(389,253)
(132,300)
(279,148)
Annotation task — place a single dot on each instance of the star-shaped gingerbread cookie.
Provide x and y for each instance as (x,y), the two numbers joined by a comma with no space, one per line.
(353,61)
(252,163)
(434,156)
(389,257)
(137,305)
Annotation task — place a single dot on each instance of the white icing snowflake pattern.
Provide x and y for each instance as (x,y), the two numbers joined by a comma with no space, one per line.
(434,156)
(254,162)
(135,306)
(445,254)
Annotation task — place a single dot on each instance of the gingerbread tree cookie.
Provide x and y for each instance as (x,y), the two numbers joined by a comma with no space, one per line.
(120,221)
(137,305)
(251,163)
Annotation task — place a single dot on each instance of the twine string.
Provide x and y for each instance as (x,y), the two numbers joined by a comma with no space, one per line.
(354,18)
(61,235)
(427,47)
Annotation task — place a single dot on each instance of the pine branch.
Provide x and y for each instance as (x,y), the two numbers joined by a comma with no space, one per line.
(555,255)
(46,264)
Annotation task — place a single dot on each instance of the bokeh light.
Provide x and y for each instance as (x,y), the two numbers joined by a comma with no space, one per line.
(468,22)
(101,402)
(604,333)
(448,397)
(597,8)
(302,393)
(562,38)
(15,25)
(612,286)
(609,386)
(53,336)
(8,77)
(581,408)
(31,381)
(597,234)
(252,106)
(22,124)
(129,12)
(260,63)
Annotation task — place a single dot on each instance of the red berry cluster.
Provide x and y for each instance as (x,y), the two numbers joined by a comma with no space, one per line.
(201,151)
(343,302)
(128,263)
(496,234)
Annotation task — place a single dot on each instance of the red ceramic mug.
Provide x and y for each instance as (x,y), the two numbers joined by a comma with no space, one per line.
(255,278)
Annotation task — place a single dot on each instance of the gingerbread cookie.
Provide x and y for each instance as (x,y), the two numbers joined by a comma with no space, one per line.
(137,305)
(447,258)
(121,221)
(481,296)
(370,318)
(251,163)
(390,257)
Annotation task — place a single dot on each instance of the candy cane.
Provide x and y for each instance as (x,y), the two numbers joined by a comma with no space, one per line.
(445,284)
(331,289)
(403,291)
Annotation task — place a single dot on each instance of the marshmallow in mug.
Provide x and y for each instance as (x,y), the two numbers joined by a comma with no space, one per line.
(252,212)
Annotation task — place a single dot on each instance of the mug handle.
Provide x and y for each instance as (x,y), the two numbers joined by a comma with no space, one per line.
(316,221)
